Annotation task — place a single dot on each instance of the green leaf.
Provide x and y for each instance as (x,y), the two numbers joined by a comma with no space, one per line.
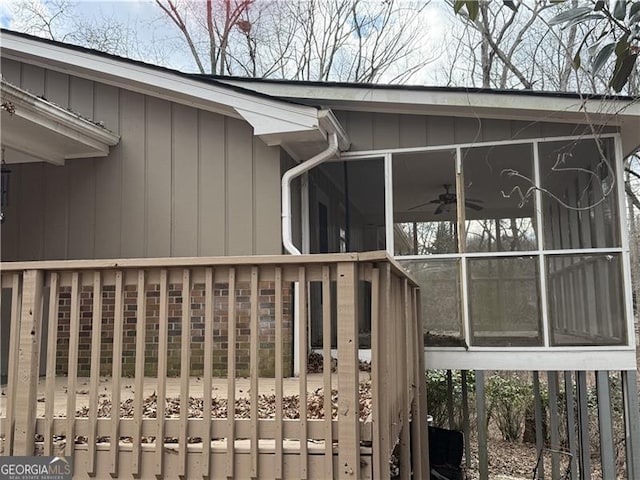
(569,15)
(602,57)
(599,6)
(473,8)
(510,4)
(624,67)
(457,5)
(576,61)
(634,12)
(620,9)
(622,47)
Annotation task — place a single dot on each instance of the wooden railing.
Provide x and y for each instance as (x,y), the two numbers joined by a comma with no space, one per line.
(112,331)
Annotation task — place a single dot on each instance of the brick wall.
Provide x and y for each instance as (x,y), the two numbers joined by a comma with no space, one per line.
(266,312)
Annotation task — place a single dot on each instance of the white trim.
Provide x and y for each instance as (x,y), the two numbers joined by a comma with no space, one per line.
(363,154)
(267,116)
(500,358)
(542,264)
(519,105)
(388,204)
(624,240)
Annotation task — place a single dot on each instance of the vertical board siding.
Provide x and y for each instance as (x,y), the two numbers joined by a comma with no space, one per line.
(266,172)
(211,184)
(56,87)
(81,208)
(132,144)
(185,181)
(158,179)
(31,219)
(33,79)
(181,182)
(239,143)
(108,177)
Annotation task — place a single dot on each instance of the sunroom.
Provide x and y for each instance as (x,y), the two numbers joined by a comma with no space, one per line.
(519,246)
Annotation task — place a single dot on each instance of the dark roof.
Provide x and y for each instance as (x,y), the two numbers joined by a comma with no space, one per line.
(209,79)
(217,79)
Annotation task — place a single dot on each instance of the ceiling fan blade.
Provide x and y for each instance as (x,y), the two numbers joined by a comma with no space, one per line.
(418,206)
(439,210)
(473,206)
(475,200)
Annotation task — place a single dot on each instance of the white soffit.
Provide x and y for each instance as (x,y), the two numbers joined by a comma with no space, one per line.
(267,116)
(37,130)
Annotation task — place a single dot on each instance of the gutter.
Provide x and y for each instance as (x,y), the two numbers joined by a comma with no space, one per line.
(337,140)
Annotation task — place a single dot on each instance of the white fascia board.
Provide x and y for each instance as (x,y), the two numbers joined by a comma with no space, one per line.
(455,103)
(164,84)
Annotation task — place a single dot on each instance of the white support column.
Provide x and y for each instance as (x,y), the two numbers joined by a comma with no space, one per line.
(388,203)
(542,267)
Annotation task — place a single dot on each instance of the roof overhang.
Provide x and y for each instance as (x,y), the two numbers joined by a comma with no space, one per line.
(274,120)
(35,130)
(506,105)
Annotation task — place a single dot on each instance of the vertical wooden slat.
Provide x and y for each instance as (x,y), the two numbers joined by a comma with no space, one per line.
(405,381)
(607,451)
(571,424)
(417,446)
(583,425)
(185,343)
(348,421)
(385,348)
(26,383)
(208,372)
(72,369)
(94,381)
(116,372)
(141,322)
(552,382)
(302,340)
(254,372)
(326,366)
(231,375)
(52,343)
(465,418)
(422,388)
(632,422)
(538,412)
(279,373)
(12,372)
(163,329)
(483,460)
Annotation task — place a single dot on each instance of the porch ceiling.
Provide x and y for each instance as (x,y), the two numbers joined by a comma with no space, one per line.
(35,130)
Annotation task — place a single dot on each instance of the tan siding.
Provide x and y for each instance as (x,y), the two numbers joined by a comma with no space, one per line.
(56,88)
(31,212)
(185,181)
(11,71)
(81,185)
(413,130)
(33,79)
(266,226)
(56,222)
(239,188)
(211,184)
(158,180)
(360,129)
(81,96)
(132,124)
(385,130)
(108,178)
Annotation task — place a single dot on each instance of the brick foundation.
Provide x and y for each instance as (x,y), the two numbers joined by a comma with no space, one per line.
(266,312)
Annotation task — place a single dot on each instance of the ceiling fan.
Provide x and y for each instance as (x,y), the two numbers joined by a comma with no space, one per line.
(446,200)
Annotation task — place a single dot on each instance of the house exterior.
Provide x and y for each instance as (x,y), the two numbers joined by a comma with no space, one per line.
(505,207)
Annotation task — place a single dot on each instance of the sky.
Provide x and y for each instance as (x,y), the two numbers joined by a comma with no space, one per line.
(151,27)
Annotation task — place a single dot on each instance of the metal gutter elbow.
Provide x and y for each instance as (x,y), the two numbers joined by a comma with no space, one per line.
(288,177)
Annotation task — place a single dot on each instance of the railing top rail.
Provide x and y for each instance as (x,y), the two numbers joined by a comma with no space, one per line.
(181,262)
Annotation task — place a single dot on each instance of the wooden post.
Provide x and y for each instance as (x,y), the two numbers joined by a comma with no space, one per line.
(28,362)
(348,375)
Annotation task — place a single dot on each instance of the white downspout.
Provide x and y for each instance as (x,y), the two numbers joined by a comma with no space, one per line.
(287,231)
(288,177)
